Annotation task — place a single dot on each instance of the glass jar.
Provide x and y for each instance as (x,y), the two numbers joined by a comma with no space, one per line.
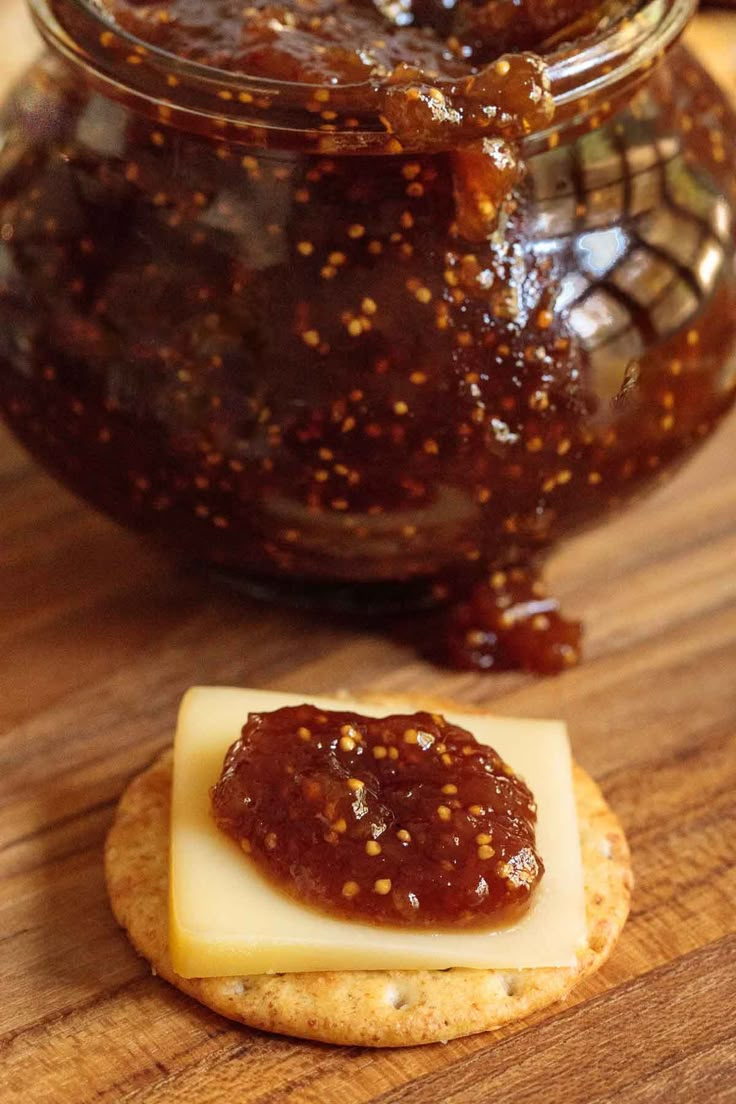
(236,318)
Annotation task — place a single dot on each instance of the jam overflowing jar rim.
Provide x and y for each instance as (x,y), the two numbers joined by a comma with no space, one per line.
(259,111)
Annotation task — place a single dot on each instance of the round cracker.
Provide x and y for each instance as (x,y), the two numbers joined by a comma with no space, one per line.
(365,1007)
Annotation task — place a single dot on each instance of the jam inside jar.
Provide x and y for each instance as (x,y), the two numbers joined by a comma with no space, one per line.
(296,332)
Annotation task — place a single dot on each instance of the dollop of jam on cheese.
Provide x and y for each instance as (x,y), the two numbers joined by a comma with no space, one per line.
(403,820)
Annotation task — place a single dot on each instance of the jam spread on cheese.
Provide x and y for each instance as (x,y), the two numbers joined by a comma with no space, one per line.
(403,820)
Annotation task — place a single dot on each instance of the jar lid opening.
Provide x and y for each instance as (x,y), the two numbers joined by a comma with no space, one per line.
(257,110)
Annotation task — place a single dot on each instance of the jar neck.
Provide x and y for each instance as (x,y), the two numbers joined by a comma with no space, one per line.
(256,111)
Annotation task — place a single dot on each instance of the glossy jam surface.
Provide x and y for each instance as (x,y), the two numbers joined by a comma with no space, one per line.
(432,87)
(348,41)
(403,820)
(369,369)
(508,621)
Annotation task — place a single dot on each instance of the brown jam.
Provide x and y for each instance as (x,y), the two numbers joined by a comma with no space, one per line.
(508,621)
(348,41)
(448,70)
(369,353)
(403,820)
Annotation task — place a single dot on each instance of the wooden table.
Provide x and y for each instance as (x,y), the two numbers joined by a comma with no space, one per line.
(99,637)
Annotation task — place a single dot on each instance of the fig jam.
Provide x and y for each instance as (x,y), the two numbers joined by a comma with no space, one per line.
(345,41)
(404,820)
(404,330)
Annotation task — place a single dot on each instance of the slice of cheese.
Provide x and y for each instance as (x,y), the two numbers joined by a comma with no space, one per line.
(226,919)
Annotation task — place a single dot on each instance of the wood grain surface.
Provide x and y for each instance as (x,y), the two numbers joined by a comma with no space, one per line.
(99,636)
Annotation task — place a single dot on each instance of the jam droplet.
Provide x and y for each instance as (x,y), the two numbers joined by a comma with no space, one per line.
(509,622)
(484,174)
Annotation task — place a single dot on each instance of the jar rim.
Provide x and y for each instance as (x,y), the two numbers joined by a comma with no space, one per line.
(247,109)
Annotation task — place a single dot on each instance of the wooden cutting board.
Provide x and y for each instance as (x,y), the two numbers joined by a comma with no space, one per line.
(99,637)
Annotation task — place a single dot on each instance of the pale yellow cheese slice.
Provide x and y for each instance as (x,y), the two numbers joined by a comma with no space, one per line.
(226,919)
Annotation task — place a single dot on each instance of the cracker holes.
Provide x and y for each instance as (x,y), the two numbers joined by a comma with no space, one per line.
(510,985)
(236,987)
(599,938)
(397,998)
(606,847)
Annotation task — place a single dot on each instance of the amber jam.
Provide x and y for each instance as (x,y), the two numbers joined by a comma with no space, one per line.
(348,41)
(402,820)
(417,327)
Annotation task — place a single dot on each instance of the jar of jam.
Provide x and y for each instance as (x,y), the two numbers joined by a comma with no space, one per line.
(328,291)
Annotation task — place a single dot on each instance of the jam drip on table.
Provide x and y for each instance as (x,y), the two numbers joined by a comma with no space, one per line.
(404,820)
(508,622)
